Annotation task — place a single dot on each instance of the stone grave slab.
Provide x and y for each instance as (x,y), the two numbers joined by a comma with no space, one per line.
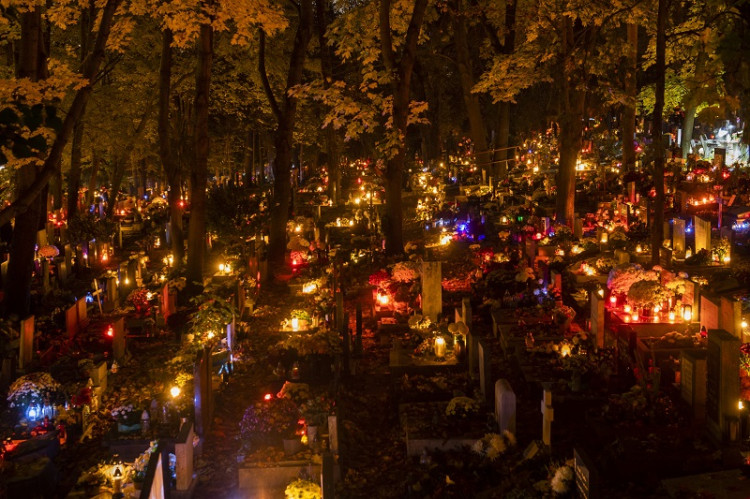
(432,290)
(505,406)
(709,312)
(730,316)
(702,234)
(693,382)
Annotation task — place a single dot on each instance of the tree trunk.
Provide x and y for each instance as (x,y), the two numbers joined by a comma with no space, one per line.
(471,101)
(628,110)
(74,176)
(283,138)
(400,84)
(93,177)
(326,67)
(688,126)
(657,221)
(20,265)
(247,157)
(571,128)
(171,167)
(503,134)
(199,172)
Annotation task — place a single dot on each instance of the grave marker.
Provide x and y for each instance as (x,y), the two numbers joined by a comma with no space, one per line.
(597,318)
(583,468)
(99,375)
(709,313)
(548,415)
(505,406)
(183,451)
(472,347)
(678,238)
(26,342)
(82,310)
(622,256)
(693,382)
(723,385)
(730,316)
(432,290)
(333,434)
(118,340)
(71,321)
(702,234)
(466,311)
(485,376)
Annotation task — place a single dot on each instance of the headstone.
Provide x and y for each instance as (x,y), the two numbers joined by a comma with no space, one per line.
(183,451)
(678,238)
(118,341)
(702,234)
(82,310)
(691,297)
(41,237)
(723,385)
(730,316)
(597,318)
(578,228)
(466,311)
(71,320)
(548,415)
(709,313)
(693,381)
(432,290)
(26,342)
(45,277)
(112,294)
(333,434)
(99,375)
(472,345)
(327,485)
(485,375)
(622,256)
(585,478)
(505,406)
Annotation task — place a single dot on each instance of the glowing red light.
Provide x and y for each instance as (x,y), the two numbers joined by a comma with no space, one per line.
(181,204)
(111,331)
(267,396)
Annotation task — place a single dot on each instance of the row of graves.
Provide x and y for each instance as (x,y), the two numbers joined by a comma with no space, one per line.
(117,374)
(630,367)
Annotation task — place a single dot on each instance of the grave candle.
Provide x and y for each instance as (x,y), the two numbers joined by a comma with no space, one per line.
(440,347)
(295,324)
(687,313)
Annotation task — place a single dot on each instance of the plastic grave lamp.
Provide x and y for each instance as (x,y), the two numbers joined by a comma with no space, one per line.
(671,316)
(295,324)
(687,313)
(613,300)
(383,298)
(267,397)
(634,315)
(174,391)
(110,331)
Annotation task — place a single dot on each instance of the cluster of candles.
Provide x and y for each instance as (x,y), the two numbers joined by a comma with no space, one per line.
(631,315)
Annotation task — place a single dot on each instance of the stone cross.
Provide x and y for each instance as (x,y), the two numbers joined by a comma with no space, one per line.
(548,415)
(97,293)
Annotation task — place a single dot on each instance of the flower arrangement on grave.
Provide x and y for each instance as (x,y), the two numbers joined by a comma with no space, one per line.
(315,410)
(462,407)
(96,476)
(420,323)
(745,358)
(675,282)
(605,264)
(405,272)
(302,489)
(676,339)
(321,342)
(176,285)
(524,274)
(126,414)
(702,257)
(720,250)
(33,389)
(623,276)
(562,315)
(207,323)
(272,417)
(139,299)
(297,392)
(640,405)
(140,465)
(648,294)
(562,478)
(379,278)
(562,233)
(492,445)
